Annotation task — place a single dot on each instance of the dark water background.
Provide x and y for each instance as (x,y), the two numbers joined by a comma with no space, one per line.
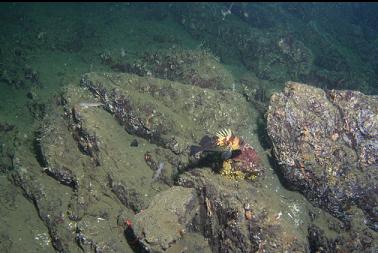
(45,45)
(261,46)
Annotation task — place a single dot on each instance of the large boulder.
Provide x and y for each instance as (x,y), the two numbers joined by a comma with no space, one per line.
(166,220)
(326,145)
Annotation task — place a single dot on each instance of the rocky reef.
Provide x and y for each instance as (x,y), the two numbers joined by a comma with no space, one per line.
(107,163)
(83,151)
(112,170)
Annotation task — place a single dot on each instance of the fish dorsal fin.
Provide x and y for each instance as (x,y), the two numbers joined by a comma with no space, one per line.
(224,133)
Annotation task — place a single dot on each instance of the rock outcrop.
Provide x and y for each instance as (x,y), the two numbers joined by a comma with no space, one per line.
(326,144)
(112,173)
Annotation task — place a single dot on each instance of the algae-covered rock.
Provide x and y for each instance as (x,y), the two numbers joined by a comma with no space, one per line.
(286,42)
(362,241)
(170,114)
(240,216)
(326,144)
(166,219)
(51,201)
(85,172)
(197,67)
(233,217)
(278,58)
(84,152)
(273,55)
(8,140)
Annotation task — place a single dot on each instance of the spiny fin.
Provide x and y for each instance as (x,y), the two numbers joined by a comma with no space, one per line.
(224,133)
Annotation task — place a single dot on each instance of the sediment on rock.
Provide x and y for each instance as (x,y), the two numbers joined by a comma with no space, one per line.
(231,216)
(155,120)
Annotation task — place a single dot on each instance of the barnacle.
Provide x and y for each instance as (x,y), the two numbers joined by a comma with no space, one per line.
(226,139)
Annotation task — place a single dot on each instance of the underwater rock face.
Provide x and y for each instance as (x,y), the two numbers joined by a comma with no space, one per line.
(165,221)
(92,189)
(143,106)
(326,144)
(232,216)
(193,67)
(85,179)
(269,56)
(236,218)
